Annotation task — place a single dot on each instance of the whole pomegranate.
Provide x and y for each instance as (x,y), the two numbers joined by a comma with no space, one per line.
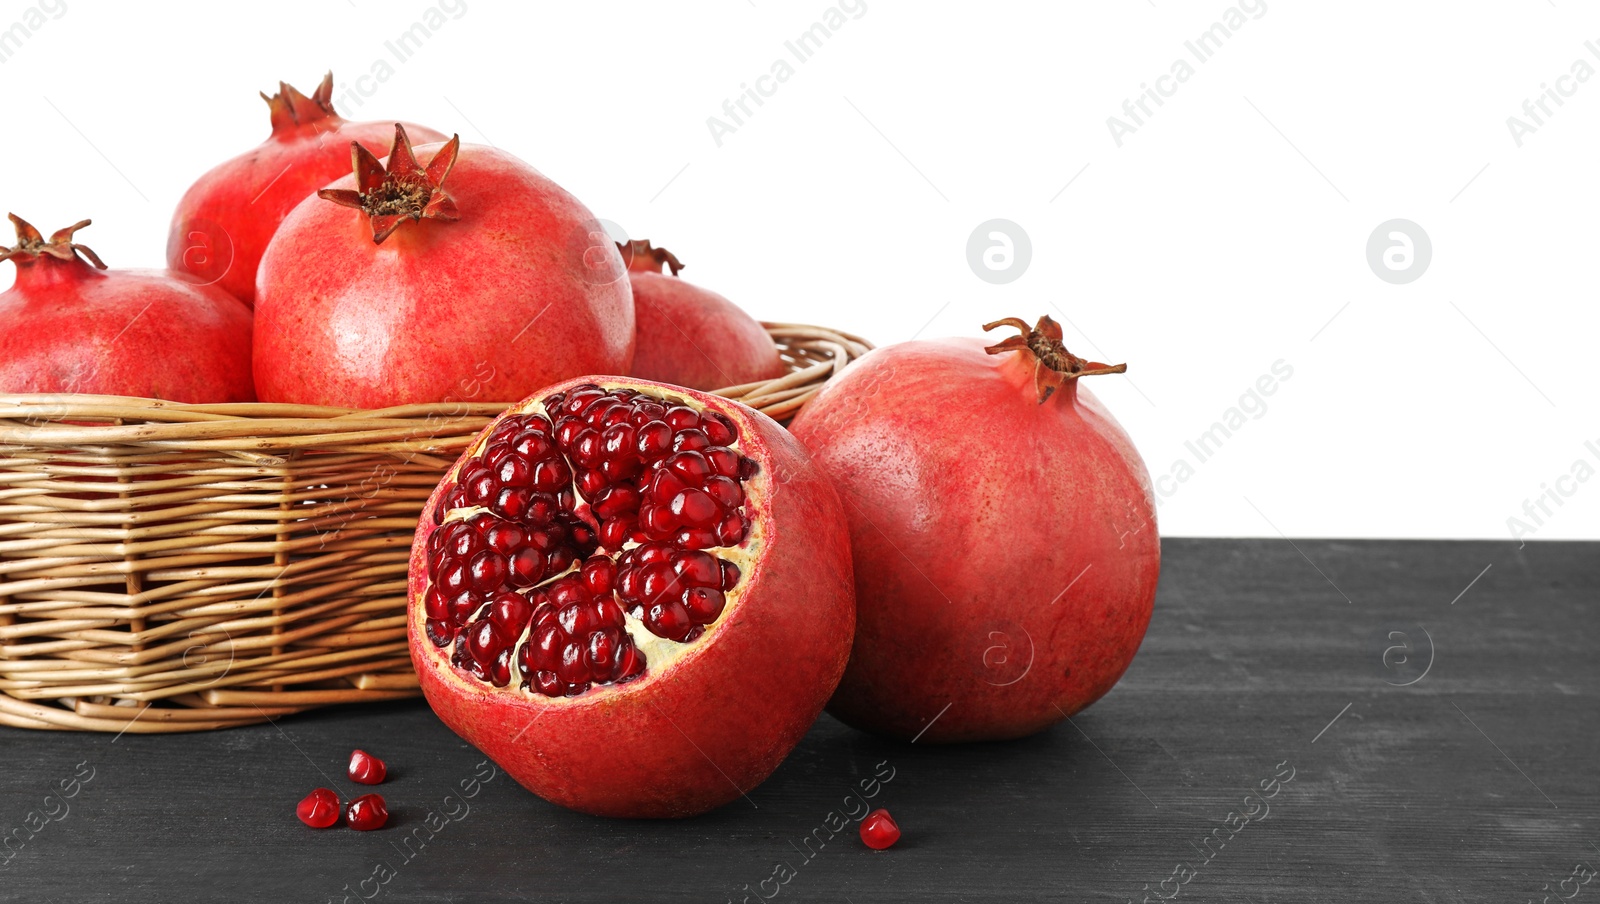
(1005,533)
(66,326)
(691,336)
(635,598)
(224,221)
(480,290)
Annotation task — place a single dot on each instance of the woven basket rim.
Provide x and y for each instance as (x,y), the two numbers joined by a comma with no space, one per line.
(141,540)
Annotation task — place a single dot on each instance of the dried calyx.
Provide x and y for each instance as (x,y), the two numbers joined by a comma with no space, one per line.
(642,257)
(405,191)
(1054,366)
(291,109)
(30,244)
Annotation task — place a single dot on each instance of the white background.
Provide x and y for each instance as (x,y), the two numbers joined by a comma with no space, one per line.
(1227,233)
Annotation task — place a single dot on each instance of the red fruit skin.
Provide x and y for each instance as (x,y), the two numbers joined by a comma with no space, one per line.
(694,337)
(67,327)
(720,719)
(523,290)
(1008,552)
(224,221)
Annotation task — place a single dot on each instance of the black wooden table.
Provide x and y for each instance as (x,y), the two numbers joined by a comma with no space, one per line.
(1311,721)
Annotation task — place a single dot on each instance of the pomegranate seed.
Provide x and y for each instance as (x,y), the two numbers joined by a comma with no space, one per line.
(726,491)
(668,619)
(704,604)
(654,440)
(730,575)
(435,605)
(724,461)
(697,569)
(731,531)
(509,613)
(572,669)
(439,633)
(366,813)
(367,769)
(319,809)
(487,571)
(693,508)
(693,440)
(680,417)
(690,466)
(719,428)
(598,574)
(879,830)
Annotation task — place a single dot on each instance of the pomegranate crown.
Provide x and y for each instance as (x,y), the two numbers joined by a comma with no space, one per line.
(642,257)
(1053,365)
(405,191)
(290,108)
(30,244)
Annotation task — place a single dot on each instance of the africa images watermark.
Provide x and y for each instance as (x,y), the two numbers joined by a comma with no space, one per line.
(855,808)
(1202,48)
(32,19)
(801,48)
(409,847)
(401,48)
(1537,110)
(54,809)
(1538,509)
(1252,405)
(1211,844)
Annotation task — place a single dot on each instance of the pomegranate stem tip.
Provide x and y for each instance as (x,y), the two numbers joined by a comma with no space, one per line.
(406,191)
(642,257)
(31,244)
(1054,366)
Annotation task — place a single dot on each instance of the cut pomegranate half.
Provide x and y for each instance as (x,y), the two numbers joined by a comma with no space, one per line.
(573,549)
(658,565)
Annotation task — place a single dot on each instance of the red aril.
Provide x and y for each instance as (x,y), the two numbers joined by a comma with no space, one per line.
(319,809)
(223,223)
(67,326)
(879,831)
(367,812)
(474,278)
(367,769)
(621,638)
(691,336)
(1005,530)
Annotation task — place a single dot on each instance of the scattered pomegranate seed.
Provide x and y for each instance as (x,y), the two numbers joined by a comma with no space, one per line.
(369,812)
(320,809)
(879,830)
(366,768)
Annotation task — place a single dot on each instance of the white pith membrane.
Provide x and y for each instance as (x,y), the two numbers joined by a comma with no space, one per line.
(660,653)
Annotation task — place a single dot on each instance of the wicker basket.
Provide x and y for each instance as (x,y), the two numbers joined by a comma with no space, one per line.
(168,567)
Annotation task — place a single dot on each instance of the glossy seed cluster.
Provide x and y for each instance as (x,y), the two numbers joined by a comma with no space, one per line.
(566,522)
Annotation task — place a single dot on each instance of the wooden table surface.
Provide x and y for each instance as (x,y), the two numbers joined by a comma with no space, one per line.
(1435,704)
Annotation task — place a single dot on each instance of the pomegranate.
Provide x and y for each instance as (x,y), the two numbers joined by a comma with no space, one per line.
(223,222)
(692,336)
(879,831)
(635,598)
(485,293)
(319,809)
(367,769)
(367,812)
(1006,530)
(70,325)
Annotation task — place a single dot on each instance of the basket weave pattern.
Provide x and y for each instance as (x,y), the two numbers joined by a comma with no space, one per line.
(168,567)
